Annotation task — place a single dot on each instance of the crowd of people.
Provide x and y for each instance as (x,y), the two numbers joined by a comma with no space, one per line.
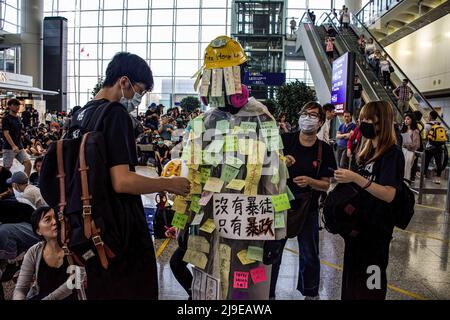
(367,153)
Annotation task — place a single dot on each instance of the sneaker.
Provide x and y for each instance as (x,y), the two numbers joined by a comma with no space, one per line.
(437,180)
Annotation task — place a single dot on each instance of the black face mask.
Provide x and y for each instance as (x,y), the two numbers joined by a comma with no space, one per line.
(367,130)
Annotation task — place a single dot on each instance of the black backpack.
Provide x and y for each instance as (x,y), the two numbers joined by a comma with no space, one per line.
(403,209)
(341,209)
(75,181)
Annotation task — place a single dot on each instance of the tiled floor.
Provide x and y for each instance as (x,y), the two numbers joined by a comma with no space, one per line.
(419,265)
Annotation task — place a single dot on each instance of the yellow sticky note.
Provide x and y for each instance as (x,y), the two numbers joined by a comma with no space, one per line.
(246,146)
(179,204)
(208,226)
(198,243)
(196,188)
(236,184)
(198,259)
(242,255)
(254,172)
(230,143)
(281,202)
(195,206)
(250,189)
(213,185)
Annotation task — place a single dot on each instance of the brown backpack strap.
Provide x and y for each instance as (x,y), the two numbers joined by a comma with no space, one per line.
(62,190)
(319,156)
(65,226)
(90,229)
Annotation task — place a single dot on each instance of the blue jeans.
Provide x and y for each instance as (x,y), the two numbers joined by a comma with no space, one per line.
(16,238)
(309,262)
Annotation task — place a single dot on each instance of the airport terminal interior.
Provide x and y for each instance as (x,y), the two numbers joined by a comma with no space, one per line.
(342,54)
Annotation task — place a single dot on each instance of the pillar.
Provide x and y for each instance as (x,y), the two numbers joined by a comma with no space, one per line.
(32,13)
(353,5)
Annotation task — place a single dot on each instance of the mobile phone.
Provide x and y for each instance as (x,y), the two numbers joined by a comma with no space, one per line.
(331,169)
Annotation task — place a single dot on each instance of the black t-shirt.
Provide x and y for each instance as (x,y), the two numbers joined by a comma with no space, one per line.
(120,147)
(357,90)
(162,150)
(50,279)
(388,170)
(26,118)
(14,126)
(34,179)
(306,163)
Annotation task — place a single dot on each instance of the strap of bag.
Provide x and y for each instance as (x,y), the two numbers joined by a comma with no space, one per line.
(65,226)
(319,156)
(90,229)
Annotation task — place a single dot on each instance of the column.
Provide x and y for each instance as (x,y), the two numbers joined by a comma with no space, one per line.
(32,13)
(353,5)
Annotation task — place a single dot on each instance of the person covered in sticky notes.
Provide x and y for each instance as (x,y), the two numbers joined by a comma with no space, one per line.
(239,197)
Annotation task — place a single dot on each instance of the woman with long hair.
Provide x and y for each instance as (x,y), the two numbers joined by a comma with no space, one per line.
(380,174)
(411,142)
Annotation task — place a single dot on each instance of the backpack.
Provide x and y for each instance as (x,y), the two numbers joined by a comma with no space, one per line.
(75,182)
(437,135)
(403,209)
(341,208)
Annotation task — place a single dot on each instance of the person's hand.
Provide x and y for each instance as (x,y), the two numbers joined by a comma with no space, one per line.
(179,185)
(290,160)
(349,153)
(302,181)
(171,232)
(345,176)
(16,149)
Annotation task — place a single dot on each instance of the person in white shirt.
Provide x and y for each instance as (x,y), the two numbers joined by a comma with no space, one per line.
(324,133)
(385,66)
(19,181)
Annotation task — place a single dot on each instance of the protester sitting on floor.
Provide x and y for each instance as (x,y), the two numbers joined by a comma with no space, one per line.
(25,190)
(34,177)
(43,275)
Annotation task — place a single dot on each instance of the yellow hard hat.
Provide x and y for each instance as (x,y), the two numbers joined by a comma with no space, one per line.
(224,52)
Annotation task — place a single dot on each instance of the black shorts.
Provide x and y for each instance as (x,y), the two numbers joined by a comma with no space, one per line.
(330,54)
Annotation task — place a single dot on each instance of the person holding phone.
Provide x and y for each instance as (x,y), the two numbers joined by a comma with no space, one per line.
(380,175)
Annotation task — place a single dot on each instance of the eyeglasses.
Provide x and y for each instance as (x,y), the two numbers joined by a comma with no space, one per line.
(142,91)
(312,115)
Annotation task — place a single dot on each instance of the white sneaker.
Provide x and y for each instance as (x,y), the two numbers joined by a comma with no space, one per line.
(437,181)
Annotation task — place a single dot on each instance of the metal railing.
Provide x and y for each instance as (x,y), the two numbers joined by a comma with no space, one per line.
(375,9)
(421,102)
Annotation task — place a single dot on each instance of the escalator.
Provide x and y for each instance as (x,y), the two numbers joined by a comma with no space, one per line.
(346,41)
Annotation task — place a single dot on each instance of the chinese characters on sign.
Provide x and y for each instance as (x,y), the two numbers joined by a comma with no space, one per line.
(244,217)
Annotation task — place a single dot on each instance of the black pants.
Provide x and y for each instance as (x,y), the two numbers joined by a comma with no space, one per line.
(436,153)
(386,78)
(180,270)
(360,254)
(309,262)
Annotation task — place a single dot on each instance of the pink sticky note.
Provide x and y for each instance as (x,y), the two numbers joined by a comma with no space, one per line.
(258,274)
(206,196)
(240,280)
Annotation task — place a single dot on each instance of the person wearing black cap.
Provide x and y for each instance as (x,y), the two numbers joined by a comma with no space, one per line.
(44,272)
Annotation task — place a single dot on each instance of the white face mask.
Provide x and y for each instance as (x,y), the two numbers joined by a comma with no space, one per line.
(308,125)
(133,103)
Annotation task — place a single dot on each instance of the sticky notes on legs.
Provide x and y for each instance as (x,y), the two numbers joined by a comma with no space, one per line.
(255,253)
(242,255)
(208,226)
(281,202)
(258,274)
(240,280)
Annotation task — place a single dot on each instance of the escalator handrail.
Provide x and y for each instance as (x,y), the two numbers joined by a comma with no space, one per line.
(348,49)
(397,68)
(317,41)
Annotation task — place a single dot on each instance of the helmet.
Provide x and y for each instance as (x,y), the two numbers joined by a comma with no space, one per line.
(223,52)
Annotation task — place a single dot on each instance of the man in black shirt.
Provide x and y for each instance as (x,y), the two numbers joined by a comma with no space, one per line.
(132,274)
(310,174)
(26,117)
(357,93)
(12,137)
